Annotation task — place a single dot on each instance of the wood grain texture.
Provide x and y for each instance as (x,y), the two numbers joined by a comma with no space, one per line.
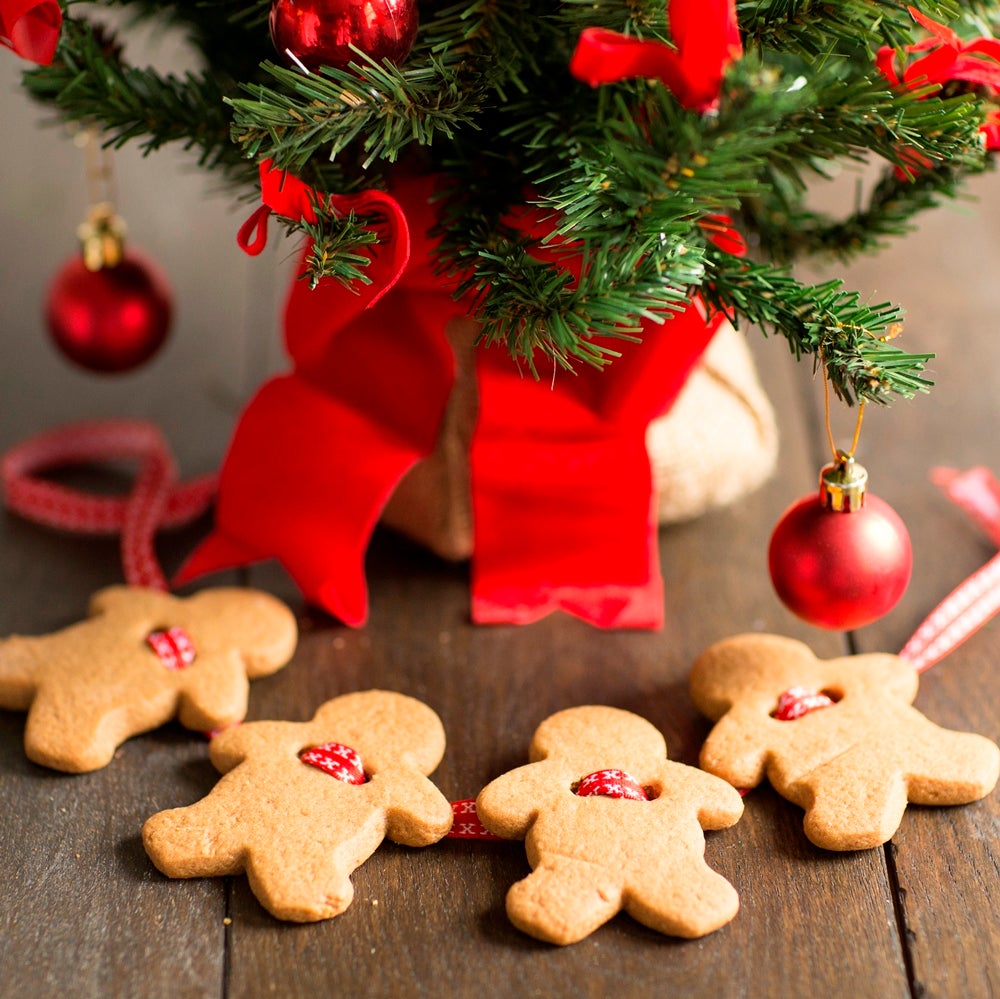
(945,862)
(83,911)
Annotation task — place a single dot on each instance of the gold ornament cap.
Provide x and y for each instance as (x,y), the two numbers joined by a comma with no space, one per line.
(102,237)
(842,485)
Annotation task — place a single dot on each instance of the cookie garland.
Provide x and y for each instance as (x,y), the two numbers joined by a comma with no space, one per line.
(572,890)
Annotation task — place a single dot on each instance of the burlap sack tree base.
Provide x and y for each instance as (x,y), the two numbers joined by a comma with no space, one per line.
(718,442)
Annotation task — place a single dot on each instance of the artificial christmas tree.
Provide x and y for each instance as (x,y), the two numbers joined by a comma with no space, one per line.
(571,178)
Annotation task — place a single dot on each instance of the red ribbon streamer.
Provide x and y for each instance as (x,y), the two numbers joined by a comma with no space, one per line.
(971,604)
(30,28)
(156,500)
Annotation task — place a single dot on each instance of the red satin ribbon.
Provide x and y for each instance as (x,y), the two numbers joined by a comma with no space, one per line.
(318,451)
(285,194)
(561,485)
(30,28)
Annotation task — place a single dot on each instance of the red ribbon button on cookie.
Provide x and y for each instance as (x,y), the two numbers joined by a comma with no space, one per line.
(612,784)
(337,760)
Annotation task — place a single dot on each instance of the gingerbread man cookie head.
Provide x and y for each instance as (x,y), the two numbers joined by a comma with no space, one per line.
(754,670)
(599,737)
(303,804)
(141,658)
(610,823)
(838,737)
(389,730)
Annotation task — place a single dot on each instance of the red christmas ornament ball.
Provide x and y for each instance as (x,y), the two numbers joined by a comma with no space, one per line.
(840,568)
(112,319)
(321,32)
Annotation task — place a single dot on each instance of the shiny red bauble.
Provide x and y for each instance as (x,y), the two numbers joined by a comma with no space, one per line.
(317,33)
(840,568)
(112,319)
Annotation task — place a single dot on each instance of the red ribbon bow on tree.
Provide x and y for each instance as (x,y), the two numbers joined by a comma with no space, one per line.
(944,58)
(30,28)
(707,40)
(559,476)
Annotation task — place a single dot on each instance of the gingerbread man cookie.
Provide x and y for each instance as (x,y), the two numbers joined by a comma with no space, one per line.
(837,737)
(610,823)
(303,804)
(141,658)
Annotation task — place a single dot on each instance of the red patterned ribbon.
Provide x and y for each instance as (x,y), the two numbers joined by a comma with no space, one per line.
(30,28)
(971,604)
(173,647)
(339,761)
(611,784)
(796,702)
(466,824)
(157,499)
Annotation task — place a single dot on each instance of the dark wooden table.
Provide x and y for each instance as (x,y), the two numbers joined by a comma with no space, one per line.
(82,910)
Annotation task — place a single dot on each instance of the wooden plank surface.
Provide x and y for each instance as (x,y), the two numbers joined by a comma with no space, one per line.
(82,909)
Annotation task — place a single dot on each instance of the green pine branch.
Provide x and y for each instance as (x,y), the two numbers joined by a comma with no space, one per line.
(464,62)
(91,84)
(852,338)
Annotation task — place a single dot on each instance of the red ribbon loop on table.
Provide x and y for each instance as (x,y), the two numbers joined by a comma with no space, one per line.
(30,28)
(972,603)
(156,500)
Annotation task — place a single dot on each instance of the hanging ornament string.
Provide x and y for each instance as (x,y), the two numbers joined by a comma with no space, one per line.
(834,450)
(156,499)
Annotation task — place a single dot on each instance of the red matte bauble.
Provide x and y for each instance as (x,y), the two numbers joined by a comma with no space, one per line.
(112,319)
(838,569)
(321,32)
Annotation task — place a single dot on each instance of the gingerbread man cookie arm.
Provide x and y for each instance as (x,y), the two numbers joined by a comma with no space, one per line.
(191,842)
(417,813)
(259,630)
(509,804)
(719,803)
(729,753)
(952,768)
(19,657)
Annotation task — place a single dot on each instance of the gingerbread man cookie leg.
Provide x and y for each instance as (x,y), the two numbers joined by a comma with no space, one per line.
(851,803)
(563,899)
(661,900)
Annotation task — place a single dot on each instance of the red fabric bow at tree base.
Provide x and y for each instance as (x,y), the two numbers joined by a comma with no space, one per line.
(31,28)
(562,495)
(707,40)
